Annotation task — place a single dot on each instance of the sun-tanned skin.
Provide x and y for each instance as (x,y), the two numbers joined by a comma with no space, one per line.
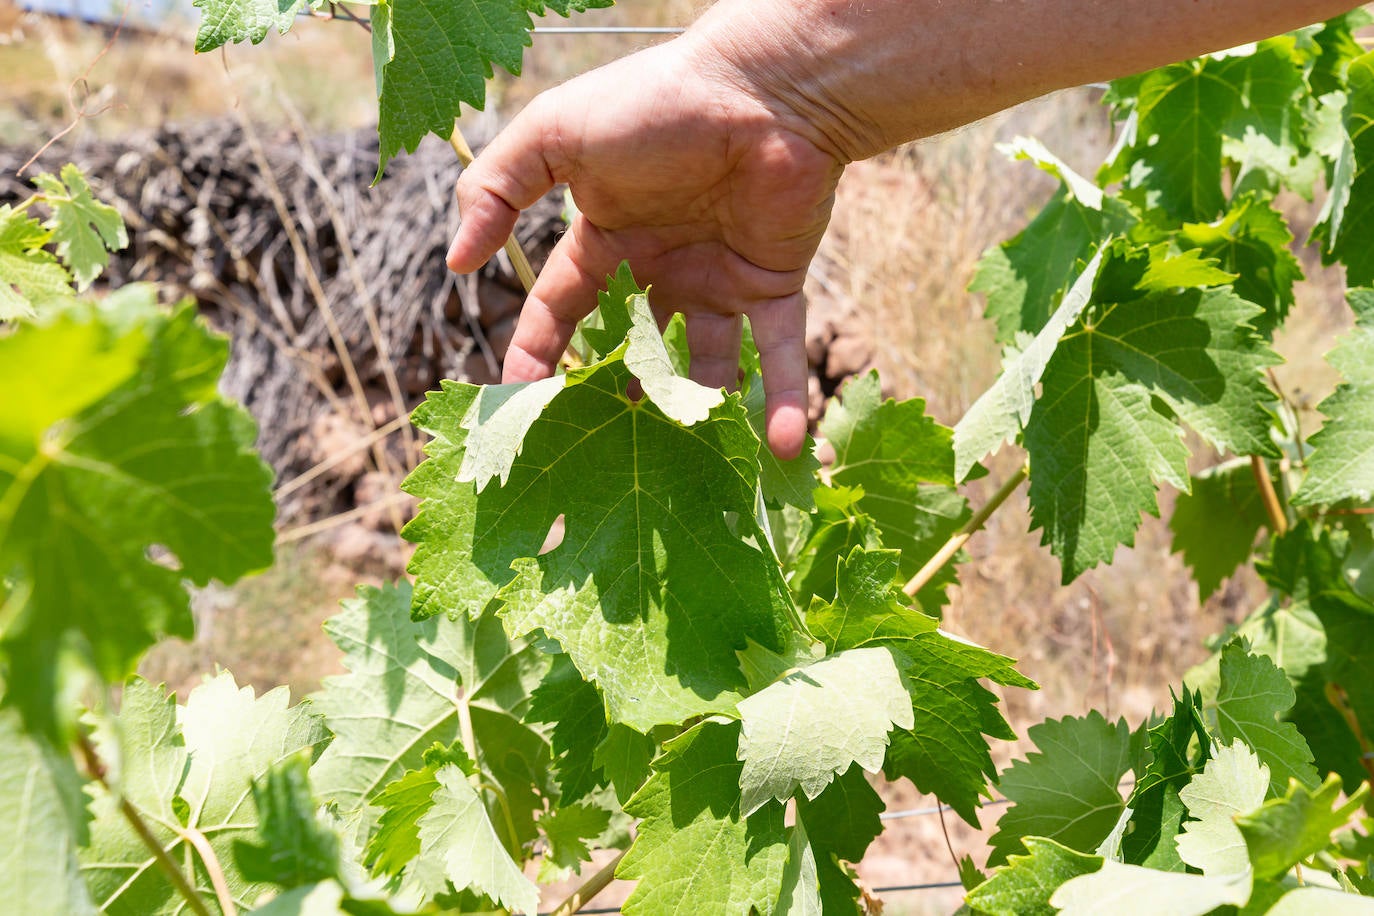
(710,162)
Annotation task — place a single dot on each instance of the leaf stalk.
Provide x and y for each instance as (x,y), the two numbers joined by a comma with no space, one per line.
(523,269)
(1278,521)
(175,875)
(962,536)
(593,886)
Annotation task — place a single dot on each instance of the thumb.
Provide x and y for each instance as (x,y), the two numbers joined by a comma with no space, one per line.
(511,174)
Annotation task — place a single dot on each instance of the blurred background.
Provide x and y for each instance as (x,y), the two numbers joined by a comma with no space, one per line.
(245,177)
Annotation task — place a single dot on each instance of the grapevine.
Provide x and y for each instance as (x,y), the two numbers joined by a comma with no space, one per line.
(630,627)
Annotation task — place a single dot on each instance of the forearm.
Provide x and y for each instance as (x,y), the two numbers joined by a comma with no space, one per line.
(869,74)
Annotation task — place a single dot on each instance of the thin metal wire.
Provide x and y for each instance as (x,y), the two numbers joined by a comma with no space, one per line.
(607,30)
(894,889)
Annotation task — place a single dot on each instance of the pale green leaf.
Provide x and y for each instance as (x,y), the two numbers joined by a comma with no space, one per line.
(694,852)
(844,822)
(1066,789)
(803,730)
(228,738)
(459,846)
(1341,465)
(45,819)
(1233,782)
(681,399)
(403,802)
(85,230)
(1132,890)
(1305,901)
(801,884)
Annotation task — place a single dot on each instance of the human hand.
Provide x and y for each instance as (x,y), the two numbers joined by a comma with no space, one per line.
(717,196)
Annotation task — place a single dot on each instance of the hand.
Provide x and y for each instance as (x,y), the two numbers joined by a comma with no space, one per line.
(716,196)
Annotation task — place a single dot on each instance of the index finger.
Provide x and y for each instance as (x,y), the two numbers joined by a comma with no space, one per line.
(510,175)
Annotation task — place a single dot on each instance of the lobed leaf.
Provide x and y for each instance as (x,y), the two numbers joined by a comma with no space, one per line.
(143,457)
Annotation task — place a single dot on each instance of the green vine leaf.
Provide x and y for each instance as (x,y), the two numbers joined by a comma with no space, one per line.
(693,843)
(868,609)
(30,277)
(1179,748)
(143,454)
(441,55)
(904,462)
(945,753)
(1253,242)
(85,230)
(621,593)
(1342,462)
(1215,524)
(1003,410)
(294,846)
(1253,694)
(801,884)
(845,822)
(225,22)
(1194,114)
(1024,884)
(1065,790)
(1024,278)
(403,802)
(1346,219)
(1103,430)
(1297,825)
(459,846)
(408,687)
(568,830)
(577,718)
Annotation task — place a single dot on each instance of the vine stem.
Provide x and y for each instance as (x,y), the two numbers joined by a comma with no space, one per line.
(1278,522)
(212,867)
(1337,697)
(593,886)
(145,833)
(523,269)
(961,537)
